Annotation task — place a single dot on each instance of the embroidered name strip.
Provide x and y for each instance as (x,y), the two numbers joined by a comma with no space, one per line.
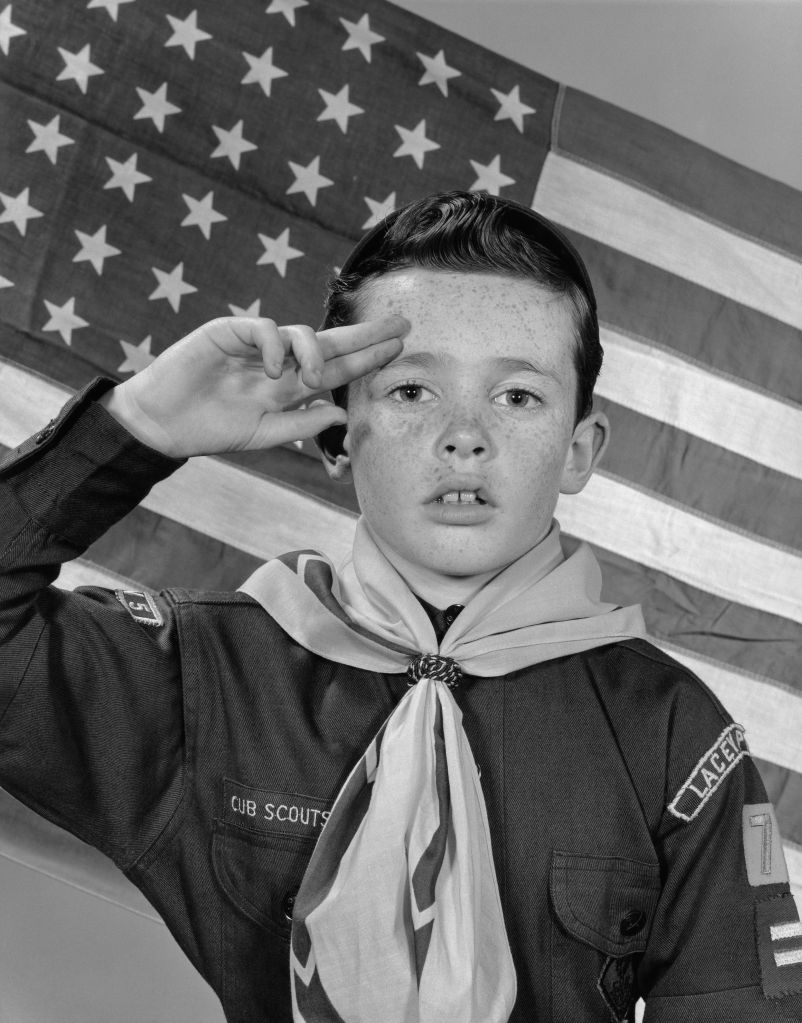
(710,771)
(270,812)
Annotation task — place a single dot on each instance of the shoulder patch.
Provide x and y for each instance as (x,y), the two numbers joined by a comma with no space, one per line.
(141,606)
(763,848)
(779,946)
(710,771)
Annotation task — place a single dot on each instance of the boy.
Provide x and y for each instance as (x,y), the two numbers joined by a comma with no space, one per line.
(591,841)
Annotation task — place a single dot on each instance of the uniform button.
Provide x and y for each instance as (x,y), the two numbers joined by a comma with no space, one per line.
(289,902)
(632,923)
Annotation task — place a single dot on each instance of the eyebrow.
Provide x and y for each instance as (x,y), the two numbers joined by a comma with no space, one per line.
(426,360)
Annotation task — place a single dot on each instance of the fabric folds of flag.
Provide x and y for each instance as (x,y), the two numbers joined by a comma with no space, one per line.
(160,171)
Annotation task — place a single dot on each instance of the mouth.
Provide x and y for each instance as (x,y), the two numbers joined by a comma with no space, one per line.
(460,497)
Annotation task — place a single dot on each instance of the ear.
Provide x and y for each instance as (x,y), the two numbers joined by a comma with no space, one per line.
(334,446)
(591,436)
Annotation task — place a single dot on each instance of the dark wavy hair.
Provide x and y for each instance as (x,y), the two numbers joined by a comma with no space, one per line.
(473,232)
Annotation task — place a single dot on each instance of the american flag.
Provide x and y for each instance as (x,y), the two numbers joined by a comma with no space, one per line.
(168,161)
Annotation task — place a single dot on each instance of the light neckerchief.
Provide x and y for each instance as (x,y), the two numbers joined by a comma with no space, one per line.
(398,918)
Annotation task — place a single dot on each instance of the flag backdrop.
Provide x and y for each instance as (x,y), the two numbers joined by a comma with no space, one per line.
(164,162)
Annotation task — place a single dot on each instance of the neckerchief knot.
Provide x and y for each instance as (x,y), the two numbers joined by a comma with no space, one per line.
(441,669)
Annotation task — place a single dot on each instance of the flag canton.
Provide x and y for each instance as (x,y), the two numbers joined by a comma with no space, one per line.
(164,166)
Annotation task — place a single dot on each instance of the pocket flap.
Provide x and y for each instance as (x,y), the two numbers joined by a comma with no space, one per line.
(606,901)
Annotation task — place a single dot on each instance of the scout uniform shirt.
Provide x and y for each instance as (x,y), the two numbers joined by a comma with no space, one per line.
(190,739)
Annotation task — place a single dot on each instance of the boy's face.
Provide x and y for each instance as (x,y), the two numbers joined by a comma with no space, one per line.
(480,403)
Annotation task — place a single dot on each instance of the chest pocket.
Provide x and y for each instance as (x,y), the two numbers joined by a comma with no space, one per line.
(602,909)
(261,874)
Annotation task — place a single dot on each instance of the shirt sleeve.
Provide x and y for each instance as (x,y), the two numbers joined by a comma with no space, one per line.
(726,942)
(91,719)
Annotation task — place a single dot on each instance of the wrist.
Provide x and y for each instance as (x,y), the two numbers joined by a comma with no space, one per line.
(121,406)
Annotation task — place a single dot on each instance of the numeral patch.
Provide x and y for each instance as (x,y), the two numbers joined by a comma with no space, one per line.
(763,848)
(141,606)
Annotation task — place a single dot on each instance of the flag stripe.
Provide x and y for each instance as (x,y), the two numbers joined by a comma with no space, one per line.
(712,480)
(263,518)
(662,385)
(685,172)
(646,302)
(631,219)
(672,539)
(769,709)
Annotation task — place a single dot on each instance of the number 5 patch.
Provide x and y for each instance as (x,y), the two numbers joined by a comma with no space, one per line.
(763,848)
(141,606)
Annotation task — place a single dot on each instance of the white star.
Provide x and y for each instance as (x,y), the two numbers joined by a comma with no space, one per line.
(437,71)
(48,139)
(94,249)
(8,29)
(63,319)
(360,36)
(125,176)
(112,6)
(252,310)
(278,251)
(137,357)
(287,8)
(263,70)
(338,108)
(78,66)
(186,33)
(5,282)
(308,179)
(378,210)
(201,213)
(156,106)
(18,211)
(172,286)
(511,107)
(414,143)
(490,177)
(231,143)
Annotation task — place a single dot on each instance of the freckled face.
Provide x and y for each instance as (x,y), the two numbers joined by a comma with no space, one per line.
(482,399)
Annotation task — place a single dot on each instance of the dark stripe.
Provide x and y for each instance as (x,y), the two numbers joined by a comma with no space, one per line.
(687,173)
(651,303)
(749,640)
(707,478)
(313,1002)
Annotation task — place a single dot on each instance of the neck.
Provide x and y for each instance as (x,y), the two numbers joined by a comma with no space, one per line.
(441,591)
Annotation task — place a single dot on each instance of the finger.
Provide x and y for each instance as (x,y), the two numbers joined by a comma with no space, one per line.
(264,335)
(337,341)
(346,368)
(284,427)
(302,344)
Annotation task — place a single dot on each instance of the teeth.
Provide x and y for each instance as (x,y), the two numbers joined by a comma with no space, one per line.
(459,497)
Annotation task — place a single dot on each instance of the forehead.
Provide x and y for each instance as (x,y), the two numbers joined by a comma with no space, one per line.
(476,316)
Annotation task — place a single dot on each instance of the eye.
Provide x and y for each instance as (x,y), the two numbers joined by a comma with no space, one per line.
(411,393)
(517,397)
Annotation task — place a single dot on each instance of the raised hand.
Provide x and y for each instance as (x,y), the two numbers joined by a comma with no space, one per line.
(236,383)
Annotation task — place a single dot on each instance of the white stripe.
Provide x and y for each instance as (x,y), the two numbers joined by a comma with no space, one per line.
(250,512)
(664,386)
(86,573)
(788,958)
(771,715)
(665,536)
(627,217)
(265,519)
(793,860)
(781,931)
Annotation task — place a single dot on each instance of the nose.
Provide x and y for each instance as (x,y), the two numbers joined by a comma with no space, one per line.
(465,438)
